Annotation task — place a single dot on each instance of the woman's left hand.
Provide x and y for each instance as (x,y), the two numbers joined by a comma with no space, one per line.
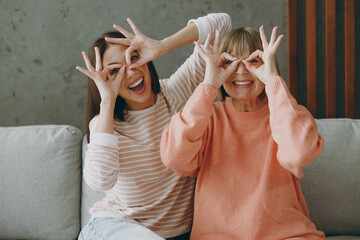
(269,67)
(148,48)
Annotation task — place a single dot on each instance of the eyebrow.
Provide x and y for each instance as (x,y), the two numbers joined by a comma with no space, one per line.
(112,63)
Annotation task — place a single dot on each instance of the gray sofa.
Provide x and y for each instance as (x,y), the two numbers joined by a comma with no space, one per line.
(42,195)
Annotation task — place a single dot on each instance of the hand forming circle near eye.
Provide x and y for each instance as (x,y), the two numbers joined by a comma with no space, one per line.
(147,48)
(108,89)
(216,73)
(269,67)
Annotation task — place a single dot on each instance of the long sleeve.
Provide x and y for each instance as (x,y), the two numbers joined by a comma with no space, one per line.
(183,82)
(102,160)
(293,129)
(183,140)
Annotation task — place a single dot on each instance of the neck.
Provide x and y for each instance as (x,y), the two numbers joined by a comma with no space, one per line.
(249,105)
(136,106)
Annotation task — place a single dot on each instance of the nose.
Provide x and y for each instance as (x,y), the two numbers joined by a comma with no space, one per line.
(241,69)
(129,72)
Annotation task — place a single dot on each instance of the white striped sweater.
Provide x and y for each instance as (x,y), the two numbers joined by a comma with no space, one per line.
(127,165)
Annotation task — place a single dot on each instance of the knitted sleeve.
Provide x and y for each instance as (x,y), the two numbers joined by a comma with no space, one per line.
(183,140)
(293,129)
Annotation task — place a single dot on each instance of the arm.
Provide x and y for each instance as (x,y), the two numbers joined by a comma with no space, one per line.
(292,126)
(191,73)
(108,89)
(184,139)
(293,129)
(185,36)
(102,159)
(150,49)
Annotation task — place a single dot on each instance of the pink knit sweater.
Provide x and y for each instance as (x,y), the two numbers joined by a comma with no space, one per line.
(247,164)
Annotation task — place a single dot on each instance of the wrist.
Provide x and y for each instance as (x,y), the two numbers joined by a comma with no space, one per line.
(185,36)
(108,102)
(164,46)
(211,84)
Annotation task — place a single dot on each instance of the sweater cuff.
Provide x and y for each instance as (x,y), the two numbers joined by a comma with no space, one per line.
(202,26)
(104,139)
(205,93)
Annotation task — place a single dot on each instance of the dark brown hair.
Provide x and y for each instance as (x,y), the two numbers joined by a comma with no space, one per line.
(93,95)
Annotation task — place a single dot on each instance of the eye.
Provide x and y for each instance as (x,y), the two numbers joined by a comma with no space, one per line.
(228,62)
(134,58)
(254,61)
(114,71)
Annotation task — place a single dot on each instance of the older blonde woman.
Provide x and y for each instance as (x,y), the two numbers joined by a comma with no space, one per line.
(247,150)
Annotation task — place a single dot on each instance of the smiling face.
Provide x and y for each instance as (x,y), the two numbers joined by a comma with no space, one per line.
(246,90)
(242,85)
(135,88)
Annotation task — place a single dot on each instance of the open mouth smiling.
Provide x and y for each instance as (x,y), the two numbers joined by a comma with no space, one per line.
(245,83)
(137,86)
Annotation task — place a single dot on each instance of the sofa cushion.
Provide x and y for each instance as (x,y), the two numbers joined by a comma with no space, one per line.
(40,182)
(331,185)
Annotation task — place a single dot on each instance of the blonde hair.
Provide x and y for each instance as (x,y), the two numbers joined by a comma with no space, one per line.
(240,41)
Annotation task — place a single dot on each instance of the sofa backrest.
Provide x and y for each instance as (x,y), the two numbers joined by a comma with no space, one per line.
(40,182)
(331,185)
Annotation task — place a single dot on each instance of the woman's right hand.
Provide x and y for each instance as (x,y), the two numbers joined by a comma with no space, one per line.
(148,48)
(216,73)
(108,88)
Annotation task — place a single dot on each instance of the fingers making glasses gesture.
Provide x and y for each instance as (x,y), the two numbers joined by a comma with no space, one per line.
(216,73)
(108,88)
(269,67)
(148,49)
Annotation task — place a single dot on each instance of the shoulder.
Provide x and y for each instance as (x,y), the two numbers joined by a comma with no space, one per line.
(218,106)
(165,93)
(218,110)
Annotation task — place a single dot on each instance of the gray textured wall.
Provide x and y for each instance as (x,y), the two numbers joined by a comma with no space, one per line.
(41,41)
